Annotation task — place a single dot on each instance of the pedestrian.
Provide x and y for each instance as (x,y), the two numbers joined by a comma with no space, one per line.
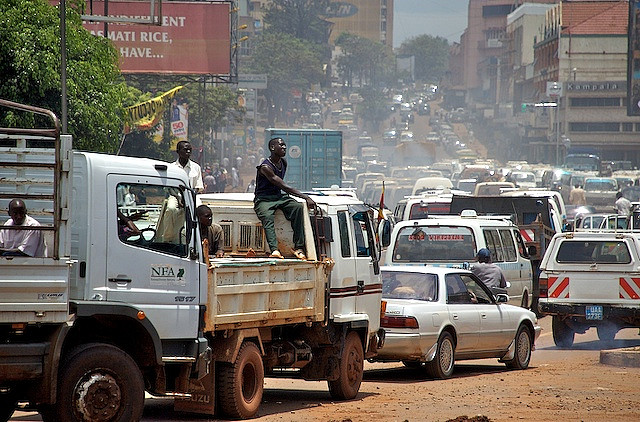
(209,181)
(184,149)
(21,242)
(488,272)
(269,198)
(623,205)
(577,196)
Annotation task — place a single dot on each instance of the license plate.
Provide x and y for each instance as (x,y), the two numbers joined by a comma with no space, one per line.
(593,312)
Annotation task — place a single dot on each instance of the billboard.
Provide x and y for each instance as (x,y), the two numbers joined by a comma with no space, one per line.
(194,38)
(633,60)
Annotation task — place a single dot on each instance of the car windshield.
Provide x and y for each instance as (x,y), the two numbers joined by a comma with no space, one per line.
(591,185)
(427,244)
(409,285)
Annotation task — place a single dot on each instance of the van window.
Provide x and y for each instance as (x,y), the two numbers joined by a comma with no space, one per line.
(345,246)
(508,244)
(428,243)
(492,240)
(599,252)
(398,213)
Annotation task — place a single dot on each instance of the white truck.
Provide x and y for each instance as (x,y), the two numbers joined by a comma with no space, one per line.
(591,279)
(109,314)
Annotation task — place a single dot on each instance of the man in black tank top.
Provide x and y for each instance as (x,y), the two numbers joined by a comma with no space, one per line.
(269,197)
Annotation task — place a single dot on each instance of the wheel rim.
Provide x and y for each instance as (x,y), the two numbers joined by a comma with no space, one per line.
(249,382)
(446,356)
(354,367)
(98,397)
(523,347)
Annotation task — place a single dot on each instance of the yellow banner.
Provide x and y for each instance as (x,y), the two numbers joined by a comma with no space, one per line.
(146,115)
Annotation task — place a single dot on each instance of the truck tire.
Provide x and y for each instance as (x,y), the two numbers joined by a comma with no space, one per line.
(241,384)
(607,332)
(99,383)
(441,367)
(522,355)
(563,335)
(7,406)
(351,369)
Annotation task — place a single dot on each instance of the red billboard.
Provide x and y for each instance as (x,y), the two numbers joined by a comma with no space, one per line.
(194,38)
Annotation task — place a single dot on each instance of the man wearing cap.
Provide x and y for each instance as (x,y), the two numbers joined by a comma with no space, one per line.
(489,273)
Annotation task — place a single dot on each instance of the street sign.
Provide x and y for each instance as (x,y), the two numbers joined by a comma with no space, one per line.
(554,89)
(252,81)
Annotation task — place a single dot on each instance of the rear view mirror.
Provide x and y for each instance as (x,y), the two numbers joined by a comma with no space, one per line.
(386,233)
(532,250)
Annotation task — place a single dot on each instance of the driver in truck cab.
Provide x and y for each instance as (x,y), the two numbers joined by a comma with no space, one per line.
(21,242)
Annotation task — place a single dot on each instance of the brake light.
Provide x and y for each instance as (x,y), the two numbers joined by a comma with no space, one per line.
(544,287)
(383,309)
(399,322)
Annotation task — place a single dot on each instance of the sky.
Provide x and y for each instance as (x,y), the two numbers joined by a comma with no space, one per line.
(444,18)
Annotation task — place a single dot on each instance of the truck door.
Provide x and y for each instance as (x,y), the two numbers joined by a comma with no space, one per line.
(148,252)
(367,266)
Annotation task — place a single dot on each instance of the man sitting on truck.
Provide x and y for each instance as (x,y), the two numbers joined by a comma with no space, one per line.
(489,273)
(21,242)
(269,198)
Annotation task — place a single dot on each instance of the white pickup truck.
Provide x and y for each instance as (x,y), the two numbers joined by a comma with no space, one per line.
(591,279)
(108,314)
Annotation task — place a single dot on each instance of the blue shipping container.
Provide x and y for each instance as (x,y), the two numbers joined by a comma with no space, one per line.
(314,156)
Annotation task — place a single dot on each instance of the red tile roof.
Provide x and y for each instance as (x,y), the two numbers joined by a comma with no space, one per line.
(595,17)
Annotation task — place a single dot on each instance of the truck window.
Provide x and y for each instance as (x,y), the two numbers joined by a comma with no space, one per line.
(598,252)
(508,244)
(152,217)
(492,239)
(427,244)
(345,245)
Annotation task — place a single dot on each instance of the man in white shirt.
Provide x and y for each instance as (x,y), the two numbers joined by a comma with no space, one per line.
(21,242)
(190,167)
(622,205)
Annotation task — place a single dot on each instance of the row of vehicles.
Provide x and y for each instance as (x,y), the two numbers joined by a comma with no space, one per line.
(104,317)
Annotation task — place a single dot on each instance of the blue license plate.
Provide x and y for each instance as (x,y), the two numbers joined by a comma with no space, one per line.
(593,312)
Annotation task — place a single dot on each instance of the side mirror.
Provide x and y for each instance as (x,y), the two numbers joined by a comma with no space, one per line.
(532,250)
(502,298)
(386,233)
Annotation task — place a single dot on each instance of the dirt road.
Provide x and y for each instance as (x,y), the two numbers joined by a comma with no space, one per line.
(560,385)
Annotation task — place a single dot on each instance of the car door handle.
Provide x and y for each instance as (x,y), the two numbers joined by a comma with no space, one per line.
(484,316)
(455,316)
(120,280)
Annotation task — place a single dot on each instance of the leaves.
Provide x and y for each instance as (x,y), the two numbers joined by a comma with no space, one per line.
(431,56)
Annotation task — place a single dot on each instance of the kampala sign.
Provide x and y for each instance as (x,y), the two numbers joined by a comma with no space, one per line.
(194,38)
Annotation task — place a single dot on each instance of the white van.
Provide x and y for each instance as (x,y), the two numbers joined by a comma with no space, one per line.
(431,183)
(454,241)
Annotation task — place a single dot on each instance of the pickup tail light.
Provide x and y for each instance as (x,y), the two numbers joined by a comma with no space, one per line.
(544,287)
(383,309)
(392,321)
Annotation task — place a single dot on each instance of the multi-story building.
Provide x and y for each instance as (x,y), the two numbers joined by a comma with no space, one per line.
(583,47)
(371,19)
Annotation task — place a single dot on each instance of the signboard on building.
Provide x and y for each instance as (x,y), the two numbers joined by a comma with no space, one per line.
(194,38)
(554,89)
(633,60)
(252,81)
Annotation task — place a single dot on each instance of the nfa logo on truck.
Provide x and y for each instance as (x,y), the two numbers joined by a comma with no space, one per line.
(164,275)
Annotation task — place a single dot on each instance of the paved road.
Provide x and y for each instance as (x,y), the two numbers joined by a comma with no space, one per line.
(560,385)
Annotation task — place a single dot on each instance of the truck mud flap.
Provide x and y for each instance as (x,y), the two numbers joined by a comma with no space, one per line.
(19,362)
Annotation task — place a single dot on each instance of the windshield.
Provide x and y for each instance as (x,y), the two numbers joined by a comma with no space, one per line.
(591,185)
(431,243)
(409,285)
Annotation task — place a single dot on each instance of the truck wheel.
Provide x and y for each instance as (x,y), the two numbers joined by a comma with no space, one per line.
(607,332)
(7,406)
(523,349)
(347,385)
(441,367)
(240,384)
(563,335)
(99,383)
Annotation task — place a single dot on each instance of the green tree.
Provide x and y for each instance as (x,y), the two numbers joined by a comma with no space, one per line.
(362,59)
(289,63)
(431,56)
(29,72)
(299,18)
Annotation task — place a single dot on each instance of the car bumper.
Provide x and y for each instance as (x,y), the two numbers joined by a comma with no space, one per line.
(405,346)
(579,312)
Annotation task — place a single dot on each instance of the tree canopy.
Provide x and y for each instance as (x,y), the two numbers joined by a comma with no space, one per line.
(30,72)
(299,18)
(431,56)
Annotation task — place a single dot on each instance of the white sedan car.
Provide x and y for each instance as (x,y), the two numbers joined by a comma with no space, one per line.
(435,316)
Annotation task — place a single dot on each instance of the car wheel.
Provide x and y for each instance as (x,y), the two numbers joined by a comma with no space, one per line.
(241,383)
(351,369)
(563,335)
(524,344)
(607,332)
(441,366)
